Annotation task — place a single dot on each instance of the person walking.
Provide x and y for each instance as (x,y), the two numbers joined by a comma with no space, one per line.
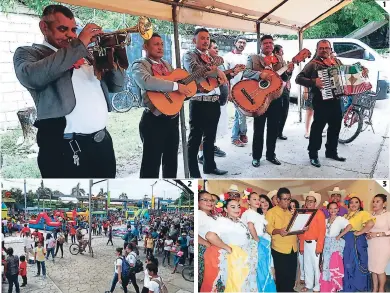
(50,245)
(23,270)
(110,235)
(168,243)
(12,270)
(60,243)
(39,259)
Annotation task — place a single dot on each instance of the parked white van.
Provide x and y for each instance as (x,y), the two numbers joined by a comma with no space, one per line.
(349,51)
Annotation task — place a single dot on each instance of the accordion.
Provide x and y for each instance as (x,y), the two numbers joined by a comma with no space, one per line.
(343,80)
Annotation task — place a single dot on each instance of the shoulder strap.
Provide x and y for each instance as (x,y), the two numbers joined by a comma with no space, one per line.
(158,282)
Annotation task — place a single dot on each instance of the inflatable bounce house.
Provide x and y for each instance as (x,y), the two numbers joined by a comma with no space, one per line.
(44,222)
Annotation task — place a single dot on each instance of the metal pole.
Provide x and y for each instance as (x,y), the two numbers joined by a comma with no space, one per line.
(108,196)
(182,116)
(90,211)
(25,198)
(258,36)
(300,39)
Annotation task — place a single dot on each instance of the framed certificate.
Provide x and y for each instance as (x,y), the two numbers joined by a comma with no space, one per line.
(300,219)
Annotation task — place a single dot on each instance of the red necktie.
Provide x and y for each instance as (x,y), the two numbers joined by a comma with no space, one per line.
(160,69)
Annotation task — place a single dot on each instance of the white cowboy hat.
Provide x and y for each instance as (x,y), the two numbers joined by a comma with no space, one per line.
(337,190)
(271,194)
(233,188)
(317,196)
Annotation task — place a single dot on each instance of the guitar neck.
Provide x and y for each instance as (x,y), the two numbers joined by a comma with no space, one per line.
(194,76)
(282,70)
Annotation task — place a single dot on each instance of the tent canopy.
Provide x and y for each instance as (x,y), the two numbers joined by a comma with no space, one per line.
(274,16)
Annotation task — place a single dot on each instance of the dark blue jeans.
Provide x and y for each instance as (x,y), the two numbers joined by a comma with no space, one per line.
(13,279)
(125,282)
(39,264)
(50,251)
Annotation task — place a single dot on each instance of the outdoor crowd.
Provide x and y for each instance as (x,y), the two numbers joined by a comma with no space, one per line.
(249,250)
(169,235)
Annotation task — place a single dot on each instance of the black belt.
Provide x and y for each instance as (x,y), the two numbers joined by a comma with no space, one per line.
(97,136)
(310,241)
(211,98)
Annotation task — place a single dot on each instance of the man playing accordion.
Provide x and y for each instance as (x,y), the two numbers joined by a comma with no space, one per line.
(326,111)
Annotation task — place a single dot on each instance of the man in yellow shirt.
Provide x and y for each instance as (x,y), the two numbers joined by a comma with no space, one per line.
(284,248)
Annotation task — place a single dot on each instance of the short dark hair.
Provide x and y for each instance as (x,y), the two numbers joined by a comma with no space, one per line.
(277,48)
(239,38)
(119,249)
(295,202)
(55,8)
(266,37)
(201,192)
(282,190)
(151,267)
(199,30)
(154,35)
(382,196)
(22,258)
(322,41)
(10,251)
(229,200)
(329,204)
(212,41)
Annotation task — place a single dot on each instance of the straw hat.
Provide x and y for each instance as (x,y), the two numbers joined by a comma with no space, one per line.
(271,194)
(337,190)
(317,196)
(233,188)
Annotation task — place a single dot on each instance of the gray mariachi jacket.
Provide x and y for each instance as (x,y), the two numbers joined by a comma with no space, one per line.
(47,75)
(256,64)
(143,76)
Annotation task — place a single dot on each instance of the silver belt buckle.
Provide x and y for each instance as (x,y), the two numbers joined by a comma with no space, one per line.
(99,136)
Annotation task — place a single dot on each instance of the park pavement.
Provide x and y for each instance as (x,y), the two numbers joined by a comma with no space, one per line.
(82,273)
(367,156)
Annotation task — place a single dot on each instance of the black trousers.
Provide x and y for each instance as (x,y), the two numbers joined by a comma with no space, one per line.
(284,113)
(325,112)
(160,139)
(110,240)
(272,116)
(73,237)
(24,278)
(204,117)
(285,270)
(133,281)
(61,246)
(55,157)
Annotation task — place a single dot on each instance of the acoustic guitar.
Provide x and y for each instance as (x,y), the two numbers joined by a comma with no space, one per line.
(170,103)
(210,83)
(253,97)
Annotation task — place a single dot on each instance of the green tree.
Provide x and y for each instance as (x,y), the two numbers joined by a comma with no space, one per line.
(353,16)
(16,194)
(184,199)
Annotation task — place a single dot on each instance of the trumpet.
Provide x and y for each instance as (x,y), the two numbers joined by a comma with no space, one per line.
(108,43)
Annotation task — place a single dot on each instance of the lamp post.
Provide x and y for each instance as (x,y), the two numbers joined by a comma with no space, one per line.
(91,183)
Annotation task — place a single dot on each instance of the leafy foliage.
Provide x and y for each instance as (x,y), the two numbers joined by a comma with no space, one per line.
(184,199)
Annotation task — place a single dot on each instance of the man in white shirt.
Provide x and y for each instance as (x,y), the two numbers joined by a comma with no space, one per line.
(72,103)
(28,245)
(233,58)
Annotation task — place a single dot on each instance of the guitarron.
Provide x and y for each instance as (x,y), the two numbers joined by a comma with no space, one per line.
(253,97)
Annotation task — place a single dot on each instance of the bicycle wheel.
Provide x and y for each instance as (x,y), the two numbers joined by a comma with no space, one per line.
(351,126)
(188,274)
(123,101)
(74,249)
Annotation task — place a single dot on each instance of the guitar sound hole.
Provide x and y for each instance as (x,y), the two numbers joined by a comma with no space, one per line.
(263,84)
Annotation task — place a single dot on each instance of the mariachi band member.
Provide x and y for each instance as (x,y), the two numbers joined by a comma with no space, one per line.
(325,111)
(159,133)
(72,104)
(204,107)
(257,63)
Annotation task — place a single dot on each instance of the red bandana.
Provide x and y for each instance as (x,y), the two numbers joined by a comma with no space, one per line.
(78,63)
(270,60)
(160,69)
(205,58)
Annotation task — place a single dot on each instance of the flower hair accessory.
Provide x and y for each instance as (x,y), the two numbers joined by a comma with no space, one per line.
(200,187)
(248,191)
(325,204)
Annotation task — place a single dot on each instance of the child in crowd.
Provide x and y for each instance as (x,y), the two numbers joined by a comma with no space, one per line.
(23,270)
(177,257)
(39,258)
(191,251)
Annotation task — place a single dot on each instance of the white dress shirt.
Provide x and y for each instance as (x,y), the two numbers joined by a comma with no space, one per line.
(90,113)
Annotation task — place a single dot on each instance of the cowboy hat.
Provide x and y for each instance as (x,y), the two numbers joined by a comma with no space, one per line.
(272,193)
(233,188)
(337,190)
(317,196)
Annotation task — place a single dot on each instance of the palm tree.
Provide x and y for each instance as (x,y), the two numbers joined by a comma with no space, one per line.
(77,191)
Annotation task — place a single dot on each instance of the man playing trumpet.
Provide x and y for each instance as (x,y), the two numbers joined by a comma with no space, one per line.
(72,104)
(159,133)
